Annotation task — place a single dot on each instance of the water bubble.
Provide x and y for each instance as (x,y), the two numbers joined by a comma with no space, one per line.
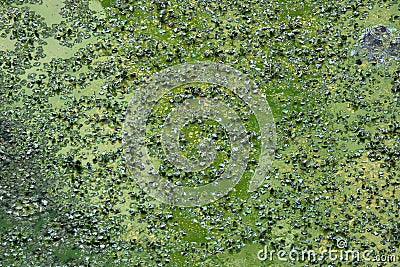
(198,108)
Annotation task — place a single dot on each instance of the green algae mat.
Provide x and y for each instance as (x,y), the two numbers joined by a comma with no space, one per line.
(316,98)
